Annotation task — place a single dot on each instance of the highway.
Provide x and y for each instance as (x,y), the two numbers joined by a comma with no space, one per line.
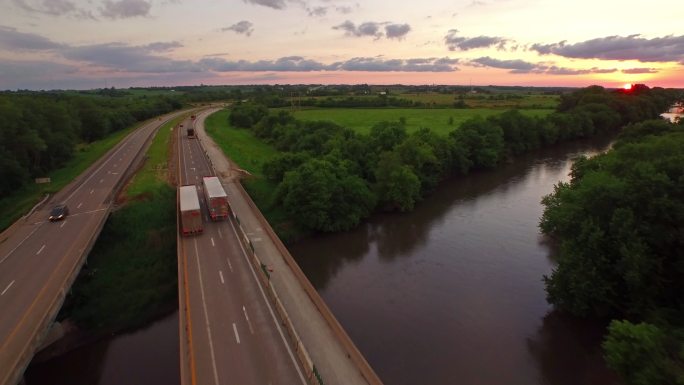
(39,259)
(234,337)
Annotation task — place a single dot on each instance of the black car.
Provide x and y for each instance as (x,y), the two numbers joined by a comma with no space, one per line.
(59,212)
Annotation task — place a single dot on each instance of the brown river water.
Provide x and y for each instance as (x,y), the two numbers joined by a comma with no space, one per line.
(450,293)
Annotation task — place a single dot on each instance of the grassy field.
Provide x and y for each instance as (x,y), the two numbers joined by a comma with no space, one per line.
(16,205)
(131,276)
(440,120)
(499,101)
(250,153)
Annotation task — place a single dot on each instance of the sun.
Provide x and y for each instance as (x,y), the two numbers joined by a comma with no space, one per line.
(627,86)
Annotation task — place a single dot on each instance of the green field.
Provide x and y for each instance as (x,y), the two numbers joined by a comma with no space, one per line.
(250,153)
(136,250)
(438,119)
(16,205)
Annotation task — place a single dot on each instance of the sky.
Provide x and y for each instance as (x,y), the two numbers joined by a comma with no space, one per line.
(83,44)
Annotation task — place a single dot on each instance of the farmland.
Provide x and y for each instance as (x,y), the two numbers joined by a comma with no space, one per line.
(441,120)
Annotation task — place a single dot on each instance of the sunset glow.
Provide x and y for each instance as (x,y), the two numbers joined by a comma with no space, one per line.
(122,43)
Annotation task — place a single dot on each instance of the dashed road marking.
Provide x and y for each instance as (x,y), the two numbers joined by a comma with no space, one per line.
(63,223)
(237,336)
(230,265)
(7,288)
(221,275)
(92,190)
(251,329)
(41,249)
(79,205)
(212,241)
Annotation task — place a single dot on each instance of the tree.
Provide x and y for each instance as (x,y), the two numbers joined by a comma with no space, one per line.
(323,196)
(482,140)
(397,186)
(639,353)
(247,115)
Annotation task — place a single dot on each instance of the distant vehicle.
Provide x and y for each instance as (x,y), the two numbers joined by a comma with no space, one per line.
(191,132)
(193,117)
(191,217)
(217,199)
(59,212)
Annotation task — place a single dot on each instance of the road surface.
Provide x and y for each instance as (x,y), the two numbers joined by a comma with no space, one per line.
(234,336)
(39,259)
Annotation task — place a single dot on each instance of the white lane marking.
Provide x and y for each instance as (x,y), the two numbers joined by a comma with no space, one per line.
(251,329)
(212,242)
(20,243)
(220,234)
(270,310)
(101,180)
(7,288)
(192,162)
(196,178)
(79,205)
(92,190)
(63,223)
(120,159)
(221,275)
(230,265)
(41,249)
(237,336)
(206,314)
(115,165)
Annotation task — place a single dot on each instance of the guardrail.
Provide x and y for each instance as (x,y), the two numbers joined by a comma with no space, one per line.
(310,371)
(41,330)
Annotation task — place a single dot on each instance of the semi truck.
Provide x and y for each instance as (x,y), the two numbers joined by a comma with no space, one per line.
(191,216)
(191,131)
(217,199)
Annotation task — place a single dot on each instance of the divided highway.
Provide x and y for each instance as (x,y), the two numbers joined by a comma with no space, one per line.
(39,260)
(232,335)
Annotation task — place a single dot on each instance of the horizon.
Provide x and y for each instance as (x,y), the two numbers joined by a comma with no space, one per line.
(71,44)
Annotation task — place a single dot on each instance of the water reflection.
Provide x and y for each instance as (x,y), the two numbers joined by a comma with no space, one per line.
(145,356)
(568,352)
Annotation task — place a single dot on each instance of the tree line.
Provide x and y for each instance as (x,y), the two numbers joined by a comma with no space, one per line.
(330,177)
(39,132)
(620,223)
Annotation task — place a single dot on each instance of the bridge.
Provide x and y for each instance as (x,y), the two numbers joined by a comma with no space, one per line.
(39,260)
(248,313)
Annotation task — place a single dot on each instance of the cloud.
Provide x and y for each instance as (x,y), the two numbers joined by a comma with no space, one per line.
(300,64)
(518,65)
(633,47)
(32,74)
(317,11)
(344,9)
(374,29)
(396,65)
(640,71)
(11,39)
(242,27)
(284,64)
(53,8)
(454,42)
(123,9)
(397,31)
(524,67)
(128,58)
(275,4)
(163,46)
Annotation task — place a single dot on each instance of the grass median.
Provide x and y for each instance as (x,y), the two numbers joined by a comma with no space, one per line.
(131,276)
(250,153)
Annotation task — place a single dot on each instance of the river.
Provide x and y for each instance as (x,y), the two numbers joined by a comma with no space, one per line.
(149,355)
(452,292)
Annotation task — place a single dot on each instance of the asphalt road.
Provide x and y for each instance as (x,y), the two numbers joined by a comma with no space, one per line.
(235,338)
(40,259)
